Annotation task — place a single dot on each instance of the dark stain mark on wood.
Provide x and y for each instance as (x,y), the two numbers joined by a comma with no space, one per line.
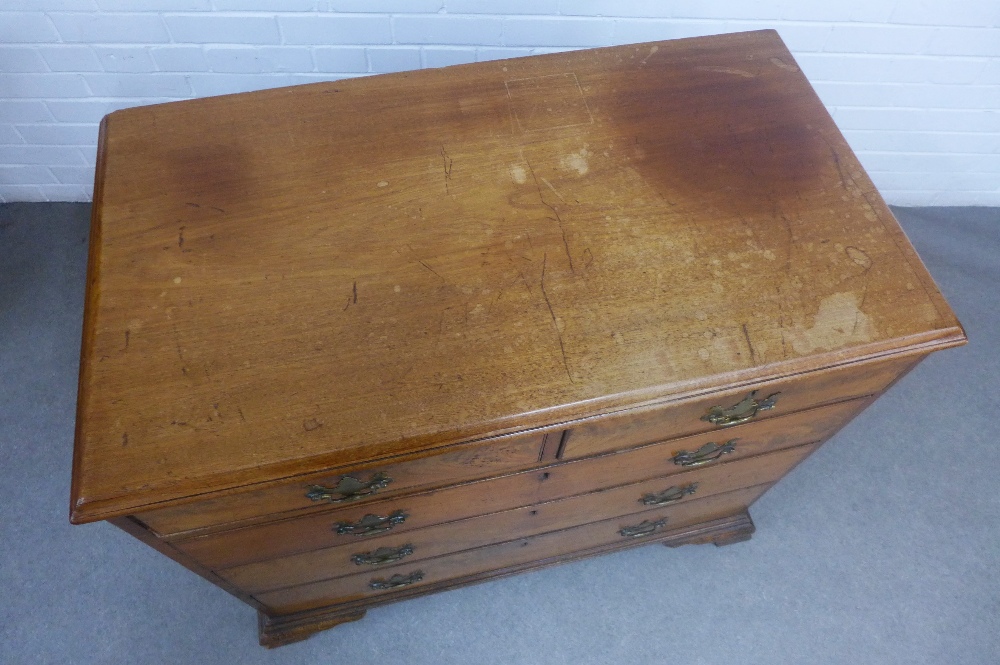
(311,424)
(555,323)
(180,238)
(128,334)
(240,411)
(124,439)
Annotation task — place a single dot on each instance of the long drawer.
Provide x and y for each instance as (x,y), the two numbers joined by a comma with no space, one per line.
(539,549)
(268,541)
(404,549)
(491,457)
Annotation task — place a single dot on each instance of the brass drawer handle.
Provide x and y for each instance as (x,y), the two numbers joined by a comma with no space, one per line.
(382,555)
(396,581)
(669,495)
(741,412)
(704,455)
(349,489)
(370,524)
(643,528)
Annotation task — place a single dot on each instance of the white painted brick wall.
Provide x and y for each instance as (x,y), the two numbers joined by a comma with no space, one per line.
(913,84)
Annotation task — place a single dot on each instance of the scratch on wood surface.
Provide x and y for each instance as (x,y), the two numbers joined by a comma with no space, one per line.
(432,270)
(495,301)
(240,411)
(555,211)
(861,258)
(180,238)
(746,336)
(554,190)
(555,323)
(180,353)
(128,333)
(353,298)
(859,313)
(848,181)
(589,255)
(527,287)
(447,163)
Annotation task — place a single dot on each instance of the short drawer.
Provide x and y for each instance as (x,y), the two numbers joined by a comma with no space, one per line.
(458,464)
(498,559)
(392,550)
(656,423)
(276,539)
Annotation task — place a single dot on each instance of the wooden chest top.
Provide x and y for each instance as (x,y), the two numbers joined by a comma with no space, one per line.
(287,280)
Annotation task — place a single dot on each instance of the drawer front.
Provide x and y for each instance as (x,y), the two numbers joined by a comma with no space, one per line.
(392,550)
(269,541)
(638,426)
(518,552)
(462,463)
(504,454)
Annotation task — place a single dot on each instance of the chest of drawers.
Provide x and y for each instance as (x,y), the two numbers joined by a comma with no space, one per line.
(351,342)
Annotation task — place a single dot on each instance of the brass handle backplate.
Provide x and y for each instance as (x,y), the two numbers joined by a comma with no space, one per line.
(669,495)
(349,488)
(704,455)
(370,524)
(396,581)
(644,528)
(382,555)
(743,411)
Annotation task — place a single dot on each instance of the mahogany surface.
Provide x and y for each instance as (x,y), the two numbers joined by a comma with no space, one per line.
(291,279)
(352,342)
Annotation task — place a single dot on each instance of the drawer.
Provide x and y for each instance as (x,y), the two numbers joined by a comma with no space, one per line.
(312,532)
(625,429)
(497,559)
(495,456)
(460,463)
(409,548)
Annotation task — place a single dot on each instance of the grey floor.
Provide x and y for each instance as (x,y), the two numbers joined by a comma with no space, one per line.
(884,547)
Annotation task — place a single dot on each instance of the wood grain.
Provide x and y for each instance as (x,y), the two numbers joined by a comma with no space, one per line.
(526,521)
(535,549)
(286,281)
(570,440)
(300,534)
